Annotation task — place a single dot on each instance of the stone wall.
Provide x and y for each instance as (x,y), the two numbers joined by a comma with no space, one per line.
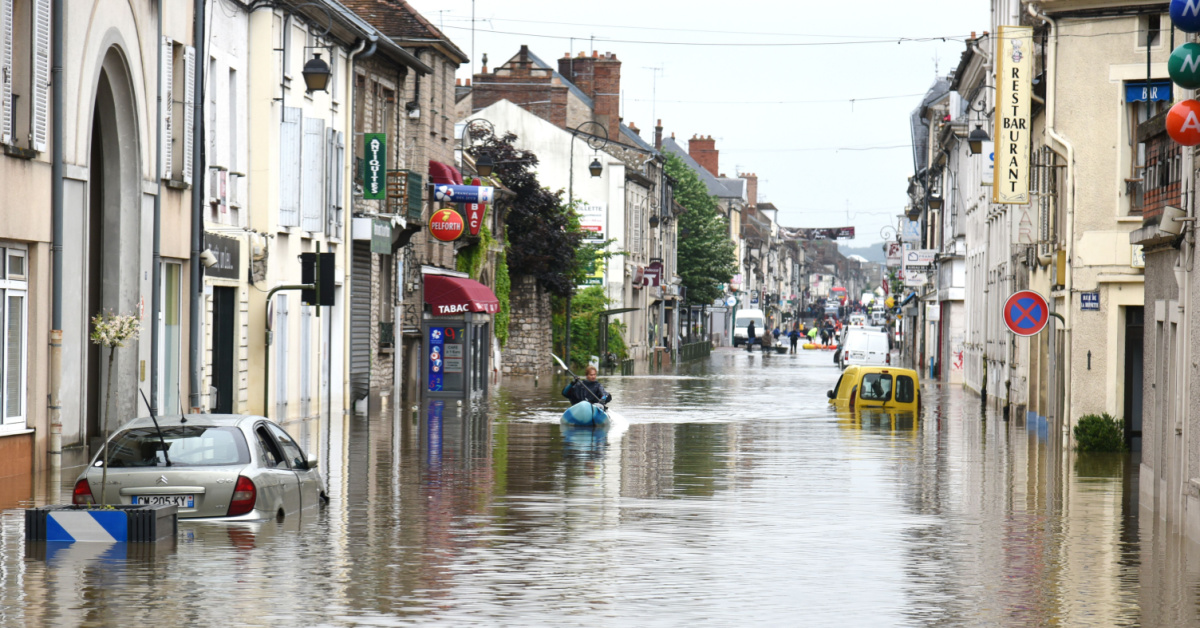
(530,332)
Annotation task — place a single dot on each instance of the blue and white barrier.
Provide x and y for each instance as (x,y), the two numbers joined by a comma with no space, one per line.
(121,524)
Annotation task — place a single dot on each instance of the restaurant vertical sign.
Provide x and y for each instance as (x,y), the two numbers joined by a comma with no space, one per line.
(374,166)
(1014,70)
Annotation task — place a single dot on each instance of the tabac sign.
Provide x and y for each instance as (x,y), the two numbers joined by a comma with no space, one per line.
(1014,70)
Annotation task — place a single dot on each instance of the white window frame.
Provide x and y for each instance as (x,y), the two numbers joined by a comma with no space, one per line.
(14,287)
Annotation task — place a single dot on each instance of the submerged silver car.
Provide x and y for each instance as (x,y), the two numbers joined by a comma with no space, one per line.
(221,466)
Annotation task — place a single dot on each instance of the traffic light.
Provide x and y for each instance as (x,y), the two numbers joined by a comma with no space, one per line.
(317,268)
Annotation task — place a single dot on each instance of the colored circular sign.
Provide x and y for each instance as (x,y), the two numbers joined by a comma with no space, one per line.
(446,225)
(1183,122)
(731,301)
(1184,66)
(1026,313)
(1185,14)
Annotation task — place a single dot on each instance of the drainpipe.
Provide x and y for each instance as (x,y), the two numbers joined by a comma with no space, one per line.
(195,341)
(56,204)
(156,288)
(1051,80)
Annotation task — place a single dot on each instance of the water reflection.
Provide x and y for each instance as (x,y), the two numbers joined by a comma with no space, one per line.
(726,492)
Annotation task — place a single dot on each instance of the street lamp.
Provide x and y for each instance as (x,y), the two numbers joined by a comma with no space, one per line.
(316,74)
(484,165)
(976,139)
(596,142)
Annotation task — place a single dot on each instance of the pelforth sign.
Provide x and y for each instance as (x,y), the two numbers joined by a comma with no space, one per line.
(374,166)
(1014,71)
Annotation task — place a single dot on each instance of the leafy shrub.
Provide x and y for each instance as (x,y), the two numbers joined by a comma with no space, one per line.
(1099,432)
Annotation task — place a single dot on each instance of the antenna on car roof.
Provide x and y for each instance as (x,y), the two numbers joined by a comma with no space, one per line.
(161,440)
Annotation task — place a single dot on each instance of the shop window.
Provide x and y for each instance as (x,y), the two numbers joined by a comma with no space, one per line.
(1142,101)
(14,345)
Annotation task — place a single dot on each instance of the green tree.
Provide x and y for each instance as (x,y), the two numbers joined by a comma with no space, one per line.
(706,257)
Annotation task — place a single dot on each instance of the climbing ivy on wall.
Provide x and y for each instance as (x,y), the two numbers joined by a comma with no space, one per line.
(503,289)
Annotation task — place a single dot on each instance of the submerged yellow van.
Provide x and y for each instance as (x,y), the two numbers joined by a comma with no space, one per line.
(893,389)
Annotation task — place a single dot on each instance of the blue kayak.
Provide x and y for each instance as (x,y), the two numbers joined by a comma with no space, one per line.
(585,413)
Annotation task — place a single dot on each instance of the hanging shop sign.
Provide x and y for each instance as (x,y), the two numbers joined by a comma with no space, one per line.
(374,166)
(381,236)
(654,273)
(463,193)
(1014,73)
(1183,122)
(591,221)
(446,225)
(1185,15)
(227,252)
(475,214)
(834,233)
(919,258)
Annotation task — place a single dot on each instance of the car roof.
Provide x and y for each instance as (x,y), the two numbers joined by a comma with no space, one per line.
(864,369)
(218,420)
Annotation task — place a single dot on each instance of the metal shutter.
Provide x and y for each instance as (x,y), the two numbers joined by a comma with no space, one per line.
(189,106)
(6,70)
(40,111)
(289,168)
(167,93)
(312,155)
(360,322)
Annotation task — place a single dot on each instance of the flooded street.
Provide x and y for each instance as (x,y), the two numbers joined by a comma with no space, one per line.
(727,492)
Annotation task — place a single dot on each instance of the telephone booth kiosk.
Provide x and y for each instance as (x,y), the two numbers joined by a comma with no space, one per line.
(456,329)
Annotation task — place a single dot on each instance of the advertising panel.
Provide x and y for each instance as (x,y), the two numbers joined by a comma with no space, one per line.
(1014,73)
(374,166)
(591,220)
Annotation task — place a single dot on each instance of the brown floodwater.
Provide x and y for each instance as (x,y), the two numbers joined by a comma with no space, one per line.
(726,492)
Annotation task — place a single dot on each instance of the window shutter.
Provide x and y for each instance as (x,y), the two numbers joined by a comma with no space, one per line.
(340,176)
(6,70)
(289,168)
(166,93)
(189,113)
(313,179)
(331,179)
(41,74)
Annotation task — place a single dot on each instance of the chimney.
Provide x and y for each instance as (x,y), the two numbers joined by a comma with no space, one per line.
(658,135)
(458,82)
(633,127)
(704,151)
(600,78)
(751,188)
(467,82)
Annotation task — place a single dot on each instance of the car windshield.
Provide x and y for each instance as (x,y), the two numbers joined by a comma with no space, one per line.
(745,322)
(187,445)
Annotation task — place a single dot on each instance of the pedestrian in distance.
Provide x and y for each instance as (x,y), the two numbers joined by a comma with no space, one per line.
(588,389)
(776,332)
(794,336)
(766,342)
(750,336)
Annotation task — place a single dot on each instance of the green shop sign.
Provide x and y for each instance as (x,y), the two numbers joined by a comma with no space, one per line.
(374,166)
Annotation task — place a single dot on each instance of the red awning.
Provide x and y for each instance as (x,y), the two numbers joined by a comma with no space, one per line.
(444,174)
(455,295)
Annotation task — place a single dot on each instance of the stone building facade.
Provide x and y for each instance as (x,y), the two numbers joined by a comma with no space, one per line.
(530,330)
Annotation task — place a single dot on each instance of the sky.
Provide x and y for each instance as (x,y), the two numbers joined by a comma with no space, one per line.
(817,105)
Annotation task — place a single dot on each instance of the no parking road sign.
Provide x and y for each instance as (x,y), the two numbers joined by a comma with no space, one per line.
(1026,313)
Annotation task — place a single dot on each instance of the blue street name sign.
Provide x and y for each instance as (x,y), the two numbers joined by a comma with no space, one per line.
(1089,300)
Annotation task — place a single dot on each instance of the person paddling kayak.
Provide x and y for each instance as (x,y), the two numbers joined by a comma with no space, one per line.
(588,389)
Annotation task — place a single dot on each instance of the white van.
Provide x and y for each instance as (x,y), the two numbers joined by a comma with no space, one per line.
(743,320)
(864,347)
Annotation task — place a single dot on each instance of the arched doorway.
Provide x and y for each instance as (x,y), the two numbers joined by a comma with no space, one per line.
(113,239)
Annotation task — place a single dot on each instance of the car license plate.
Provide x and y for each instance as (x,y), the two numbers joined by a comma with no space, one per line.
(182,501)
